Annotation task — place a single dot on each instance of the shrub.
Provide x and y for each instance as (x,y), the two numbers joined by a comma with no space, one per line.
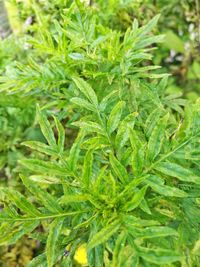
(126,186)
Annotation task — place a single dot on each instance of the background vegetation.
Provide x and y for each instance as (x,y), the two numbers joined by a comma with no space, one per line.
(46,43)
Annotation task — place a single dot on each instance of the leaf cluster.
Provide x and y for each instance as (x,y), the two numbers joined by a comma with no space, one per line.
(128,185)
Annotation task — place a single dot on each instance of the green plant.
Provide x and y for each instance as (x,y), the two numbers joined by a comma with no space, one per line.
(128,186)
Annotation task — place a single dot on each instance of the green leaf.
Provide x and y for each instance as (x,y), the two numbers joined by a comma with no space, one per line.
(136,200)
(11,236)
(119,170)
(39,261)
(177,171)
(107,100)
(123,129)
(115,116)
(120,243)
(45,179)
(159,256)
(86,89)
(145,207)
(148,41)
(164,190)
(137,160)
(87,168)
(44,197)
(152,121)
(75,151)
(149,26)
(153,231)
(156,139)
(73,198)
(46,128)
(90,126)
(52,240)
(44,167)
(41,147)
(83,103)
(61,134)
(21,202)
(104,234)
(131,220)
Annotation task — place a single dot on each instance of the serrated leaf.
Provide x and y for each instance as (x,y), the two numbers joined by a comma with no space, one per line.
(144,206)
(177,171)
(104,234)
(75,150)
(11,236)
(165,190)
(152,121)
(21,202)
(107,99)
(159,256)
(87,168)
(136,200)
(86,89)
(149,26)
(41,147)
(73,198)
(44,167)
(118,169)
(61,134)
(52,240)
(138,222)
(123,129)
(120,243)
(46,128)
(137,160)
(45,179)
(83,103)
(154,231)
(39,261)
(149,40)
(90,126)
(115,116)
(156,139)
(43,196)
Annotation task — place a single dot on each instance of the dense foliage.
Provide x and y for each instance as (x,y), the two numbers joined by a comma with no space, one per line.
(99,152)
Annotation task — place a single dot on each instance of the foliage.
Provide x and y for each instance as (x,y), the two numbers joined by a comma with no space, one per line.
(114,169)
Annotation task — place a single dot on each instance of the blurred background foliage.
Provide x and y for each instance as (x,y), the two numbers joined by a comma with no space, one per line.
(20,20)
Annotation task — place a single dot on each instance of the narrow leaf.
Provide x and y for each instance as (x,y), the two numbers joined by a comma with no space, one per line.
(90,126)
(43,196)
(61,134)
(21,202)
(46,128)
(41,147)
(115,116)
(177,171)
(104,234)
(119,170)
(136,200)
(164,189)
(87,168)
(156,139)
(52,240)
(159,256)
(43,167)
(86,89)
(83,103)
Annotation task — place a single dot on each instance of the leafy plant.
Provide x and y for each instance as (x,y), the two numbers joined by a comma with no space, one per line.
(127,188)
